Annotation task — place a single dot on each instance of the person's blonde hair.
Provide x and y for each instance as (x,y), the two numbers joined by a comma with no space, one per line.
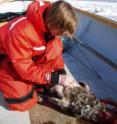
(61,16)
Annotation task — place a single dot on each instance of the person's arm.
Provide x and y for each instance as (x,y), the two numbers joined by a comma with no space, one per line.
(20,53)
(54,52)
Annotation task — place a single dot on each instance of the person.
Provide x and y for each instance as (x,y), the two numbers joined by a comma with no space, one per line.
(31,52)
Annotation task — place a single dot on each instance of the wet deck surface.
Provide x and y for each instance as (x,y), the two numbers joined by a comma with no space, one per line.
(41,114)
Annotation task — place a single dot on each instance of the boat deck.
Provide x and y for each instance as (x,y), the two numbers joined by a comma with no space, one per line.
(83,65)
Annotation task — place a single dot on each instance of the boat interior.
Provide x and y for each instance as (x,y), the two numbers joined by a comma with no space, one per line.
(91,56)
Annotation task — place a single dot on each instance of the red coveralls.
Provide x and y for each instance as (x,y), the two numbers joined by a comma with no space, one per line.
(29,57)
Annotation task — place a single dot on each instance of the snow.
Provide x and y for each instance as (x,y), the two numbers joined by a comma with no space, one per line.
(14,6)
(106,9)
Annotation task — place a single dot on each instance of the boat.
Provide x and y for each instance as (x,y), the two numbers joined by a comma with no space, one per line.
(91,57)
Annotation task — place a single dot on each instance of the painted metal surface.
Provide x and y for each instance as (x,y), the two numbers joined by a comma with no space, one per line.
(82,64)
(99,36)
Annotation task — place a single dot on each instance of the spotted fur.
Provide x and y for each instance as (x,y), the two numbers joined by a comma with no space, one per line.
(80,102)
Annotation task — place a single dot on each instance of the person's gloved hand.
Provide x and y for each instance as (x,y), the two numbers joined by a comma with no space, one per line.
(66,80)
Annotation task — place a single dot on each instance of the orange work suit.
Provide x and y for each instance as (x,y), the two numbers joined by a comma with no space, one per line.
(28,57)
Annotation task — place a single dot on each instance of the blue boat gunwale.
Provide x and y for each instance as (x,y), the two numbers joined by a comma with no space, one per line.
(102,19)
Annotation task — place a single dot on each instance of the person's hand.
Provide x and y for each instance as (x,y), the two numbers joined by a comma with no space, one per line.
(67,81)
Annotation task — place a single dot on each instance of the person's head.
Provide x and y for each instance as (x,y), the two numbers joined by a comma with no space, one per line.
(61,19)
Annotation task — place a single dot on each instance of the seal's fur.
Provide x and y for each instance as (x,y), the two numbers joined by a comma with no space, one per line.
(80,102)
